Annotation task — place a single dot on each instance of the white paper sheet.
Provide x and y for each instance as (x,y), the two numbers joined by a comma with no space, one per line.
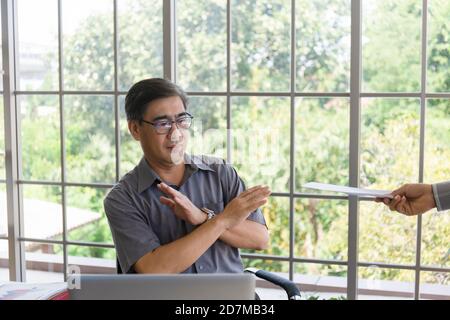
(348,190)
(31,291)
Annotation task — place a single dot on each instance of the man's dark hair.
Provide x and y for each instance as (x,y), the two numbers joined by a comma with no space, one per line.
(145,91)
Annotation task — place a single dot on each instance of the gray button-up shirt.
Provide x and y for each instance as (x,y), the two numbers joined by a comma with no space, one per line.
(140,223)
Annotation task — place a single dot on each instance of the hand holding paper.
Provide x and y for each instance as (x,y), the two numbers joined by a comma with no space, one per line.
(349,190)
(411,199)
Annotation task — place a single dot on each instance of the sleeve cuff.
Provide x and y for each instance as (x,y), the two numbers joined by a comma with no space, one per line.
(130,260)
(442,195)
(257,216)
(436,197)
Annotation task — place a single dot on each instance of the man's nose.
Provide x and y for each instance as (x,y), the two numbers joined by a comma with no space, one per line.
(175,133)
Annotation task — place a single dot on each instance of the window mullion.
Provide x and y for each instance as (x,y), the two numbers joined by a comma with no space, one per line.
(169,40)
(16,252)
(355,140)
(423,90)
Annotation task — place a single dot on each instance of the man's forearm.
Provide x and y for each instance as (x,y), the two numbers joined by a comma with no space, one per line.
(177,256)
(247,235)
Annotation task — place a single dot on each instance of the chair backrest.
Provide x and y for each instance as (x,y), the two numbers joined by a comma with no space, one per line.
(119,269)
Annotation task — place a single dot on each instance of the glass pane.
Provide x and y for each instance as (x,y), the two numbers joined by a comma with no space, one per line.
(391,45)
(92,260)
(42,210)
(260,50)
(276,213)
(41,145)
(260,139)
(140,41)
(437,140)
(390,132)
(435,249)
(386,236)
(86,218)
(438,46)
(130,149)
(209,129)
(323,45)
(436,239)
(2,140)
(4,260)
(38,44)
(44,262)
(389,157)
(385,284)
(280,268)
(202,45)
(1,55)
(321,228)
(3,211)
(321,281)
(90,138)
(88,44)
(435,285)
(322,152)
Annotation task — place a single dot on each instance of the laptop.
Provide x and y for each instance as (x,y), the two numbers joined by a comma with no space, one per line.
(234,286)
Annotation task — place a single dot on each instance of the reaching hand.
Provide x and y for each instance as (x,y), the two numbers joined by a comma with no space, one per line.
(411,199)
(248,201)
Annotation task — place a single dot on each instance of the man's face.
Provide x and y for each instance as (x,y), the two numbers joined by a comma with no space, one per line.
(164,147)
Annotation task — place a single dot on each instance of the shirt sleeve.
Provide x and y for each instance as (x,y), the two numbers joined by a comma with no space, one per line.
(441,192)
(234,187)
(133,236)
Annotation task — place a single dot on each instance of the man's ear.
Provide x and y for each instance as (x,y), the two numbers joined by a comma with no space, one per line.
(134,128)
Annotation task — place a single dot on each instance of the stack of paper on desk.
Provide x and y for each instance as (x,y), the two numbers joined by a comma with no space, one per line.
(349,190)
(33,291)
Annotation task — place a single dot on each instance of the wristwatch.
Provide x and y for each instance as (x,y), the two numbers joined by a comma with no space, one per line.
(210,213)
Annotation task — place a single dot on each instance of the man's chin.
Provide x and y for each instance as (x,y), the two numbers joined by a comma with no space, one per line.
(176,155)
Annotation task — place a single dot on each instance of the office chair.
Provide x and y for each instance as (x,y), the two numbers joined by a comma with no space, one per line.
(119,269)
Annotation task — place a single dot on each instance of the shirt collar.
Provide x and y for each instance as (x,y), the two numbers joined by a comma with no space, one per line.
(147,176)
(197,162)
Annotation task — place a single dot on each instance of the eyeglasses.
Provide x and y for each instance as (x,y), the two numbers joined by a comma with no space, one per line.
(164,126)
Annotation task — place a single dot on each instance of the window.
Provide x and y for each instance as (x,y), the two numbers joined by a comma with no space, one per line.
(269,86)
(74,68)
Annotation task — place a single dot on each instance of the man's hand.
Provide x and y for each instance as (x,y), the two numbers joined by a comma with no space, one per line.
(234,213)
(411,199)
(240,207)
(181,206)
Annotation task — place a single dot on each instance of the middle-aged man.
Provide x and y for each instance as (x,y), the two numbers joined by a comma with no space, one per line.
(418,198)
(176,213)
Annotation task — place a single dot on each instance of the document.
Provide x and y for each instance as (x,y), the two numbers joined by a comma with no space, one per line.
(349,190)
(33,291)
